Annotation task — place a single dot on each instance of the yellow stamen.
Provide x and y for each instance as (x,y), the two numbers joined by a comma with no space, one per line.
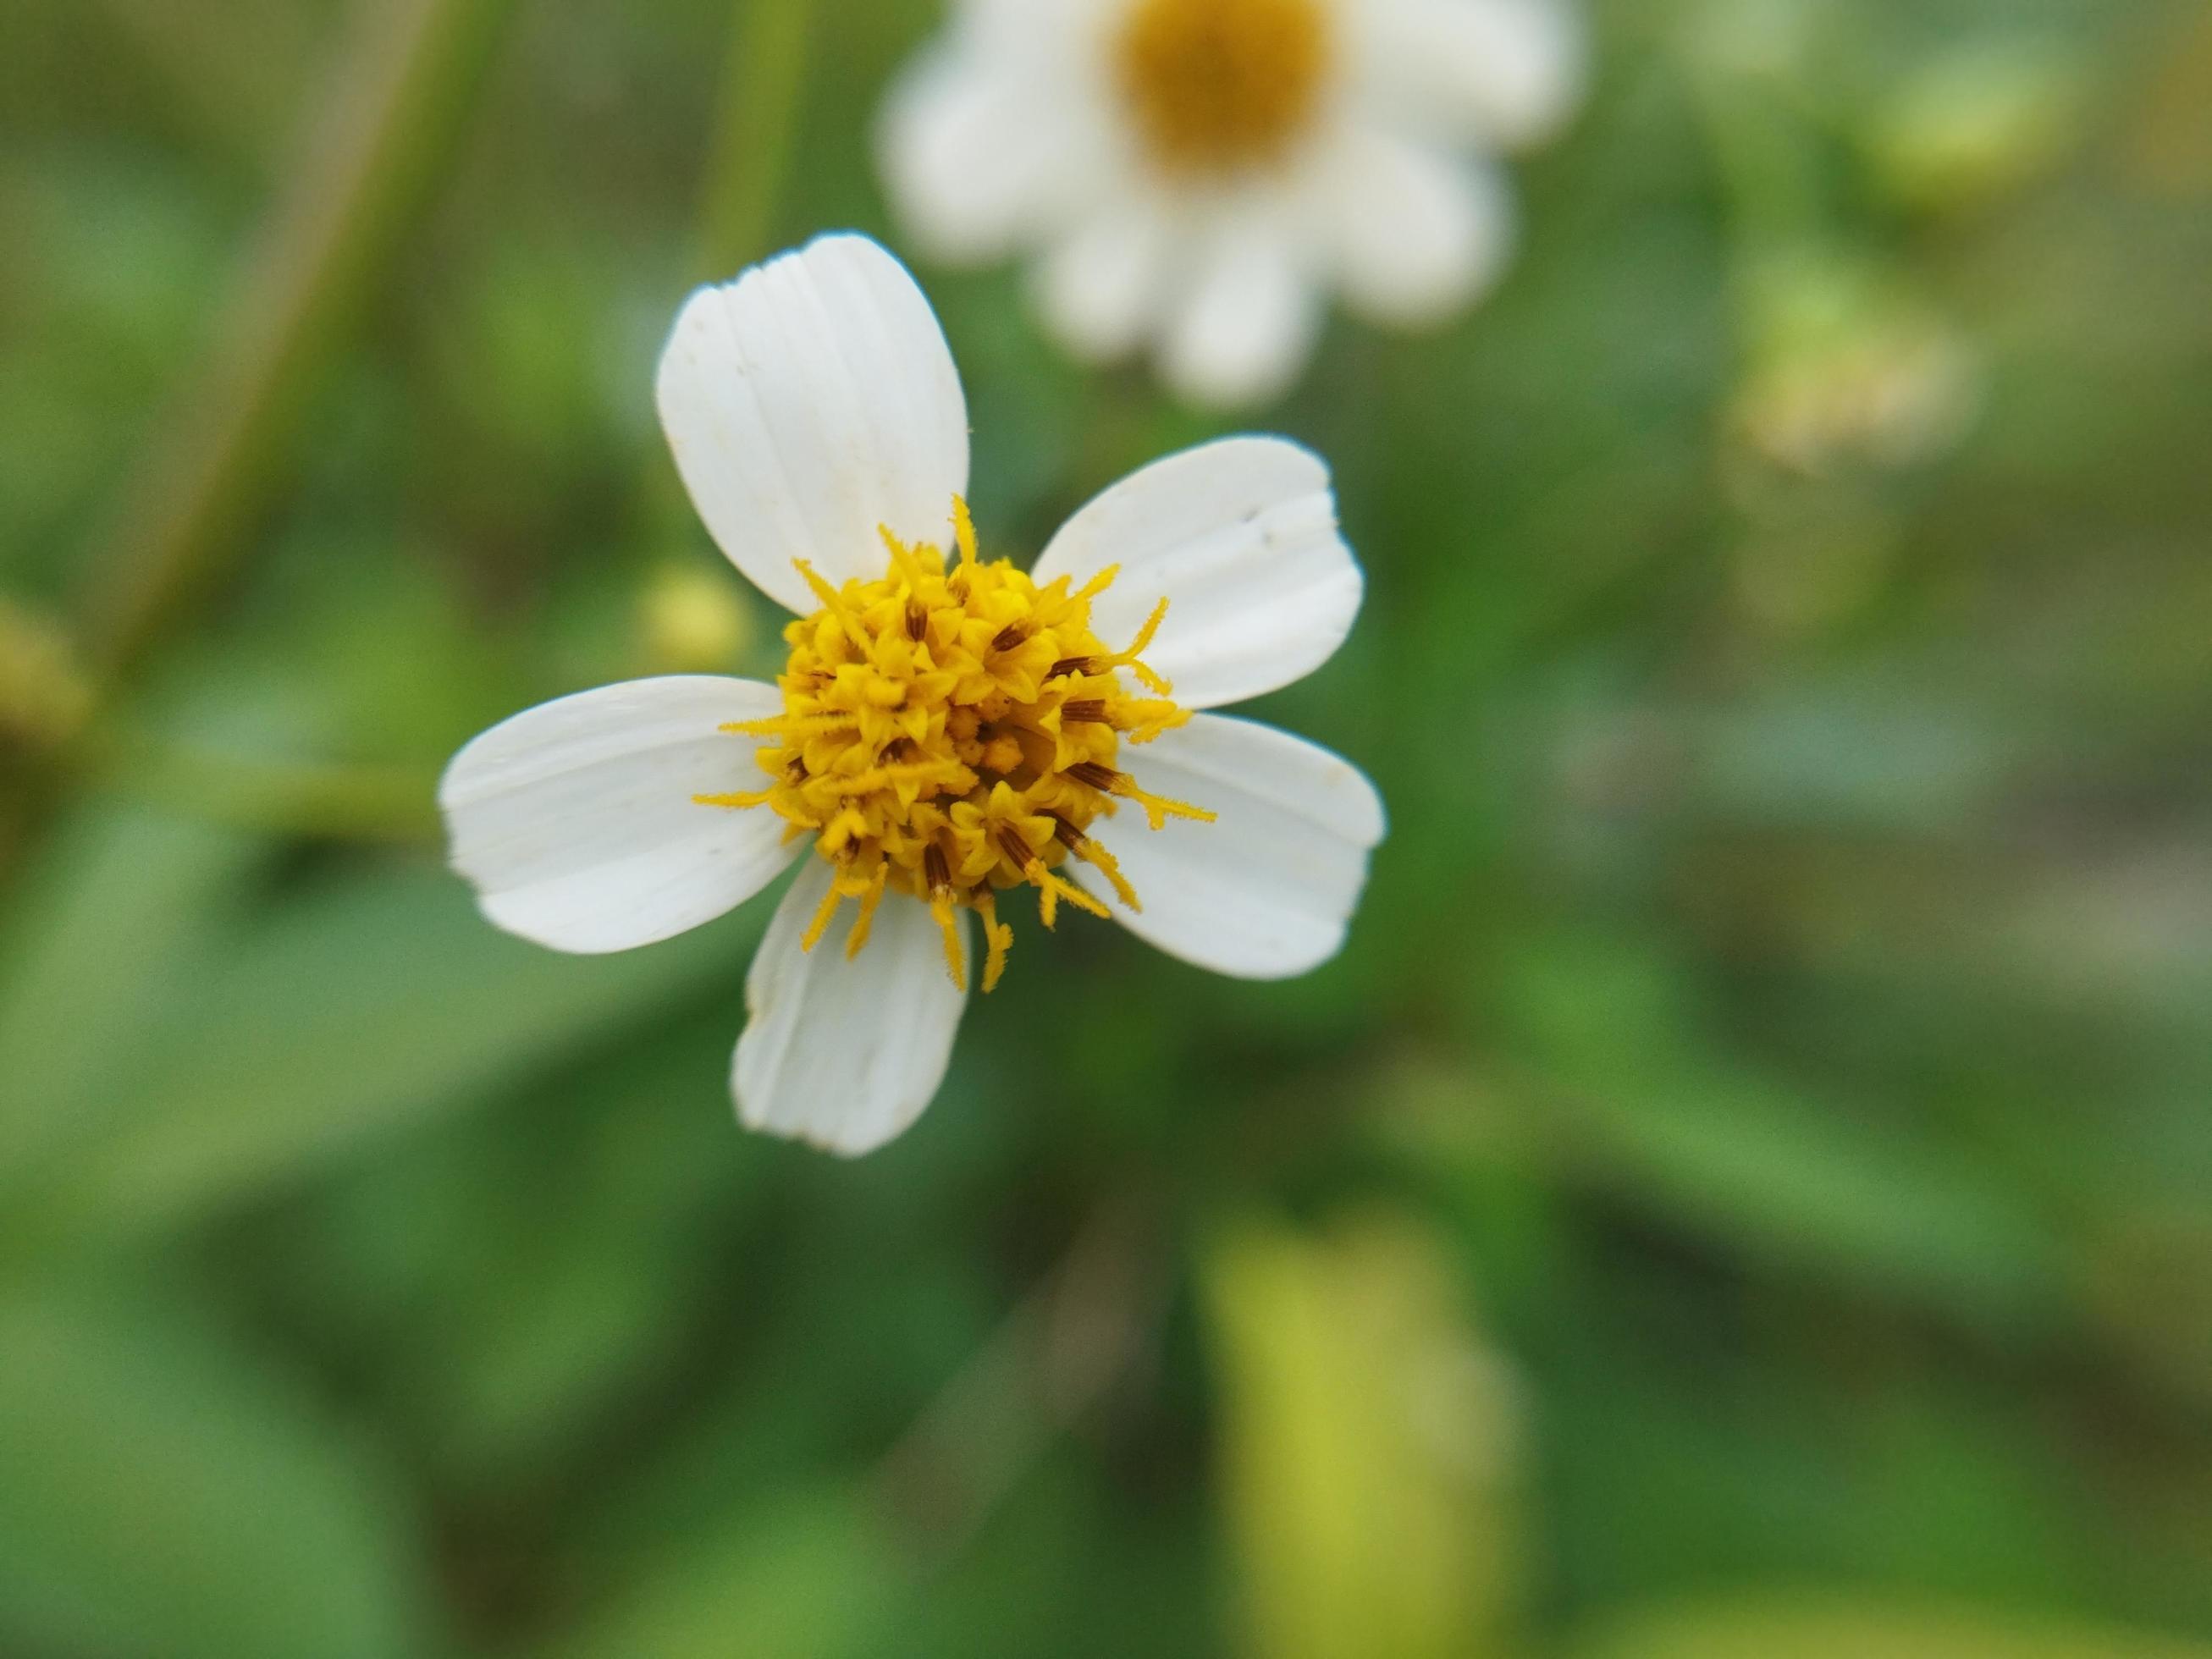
(866,919)
(903,562)
(1158,809)
(963,529)
(820,925)
(1000,938)
(934,720)
(1104,862)
(1128,659)
(1141,719)
(940,906)
(1051,887)
(834,603)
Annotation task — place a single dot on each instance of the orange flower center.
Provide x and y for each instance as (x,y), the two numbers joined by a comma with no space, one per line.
(1215,85)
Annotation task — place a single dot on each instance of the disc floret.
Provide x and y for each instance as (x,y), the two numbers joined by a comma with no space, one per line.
(1213,86)
(951,733)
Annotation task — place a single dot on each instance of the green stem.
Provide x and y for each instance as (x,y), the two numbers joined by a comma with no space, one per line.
(329,801)
(336,233)
(1767,171)
(750,151)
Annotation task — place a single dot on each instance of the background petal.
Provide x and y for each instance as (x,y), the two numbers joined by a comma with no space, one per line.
(809,402)
(1418,234)
(974,156)
(1240,536)
(1266,891)
(575,822)
(1507,72)
(845,1053)
(1102,284)
(1246,323)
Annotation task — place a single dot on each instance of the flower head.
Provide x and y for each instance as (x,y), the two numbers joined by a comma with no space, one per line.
(1196,173)
(948,731)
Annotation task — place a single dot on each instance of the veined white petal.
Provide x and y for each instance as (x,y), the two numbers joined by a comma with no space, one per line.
(1101,285)
(1507,72)
(576,821)
(1242,330)
(809,403)
(1239,536)
(845,1053)
(1418,235)
(1267,890)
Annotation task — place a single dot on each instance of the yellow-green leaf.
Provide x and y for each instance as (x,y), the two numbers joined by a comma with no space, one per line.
(1366,1441)
(1781,1626)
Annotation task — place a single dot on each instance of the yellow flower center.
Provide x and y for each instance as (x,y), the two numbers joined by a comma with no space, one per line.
(1217,85)
(954,733)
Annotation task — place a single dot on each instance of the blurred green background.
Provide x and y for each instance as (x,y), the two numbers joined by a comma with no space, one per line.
(1747,1189)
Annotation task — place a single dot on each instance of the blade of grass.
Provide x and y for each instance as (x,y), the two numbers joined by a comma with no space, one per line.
(400,94)
(753,131)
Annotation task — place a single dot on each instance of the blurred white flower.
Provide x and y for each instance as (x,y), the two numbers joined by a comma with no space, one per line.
(1197,173)
(946,730)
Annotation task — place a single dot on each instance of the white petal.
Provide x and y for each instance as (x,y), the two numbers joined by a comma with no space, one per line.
(1240,537)
(576,821)
(1418,235)
(845,1053)
(1243,331)
(1267,890)
(809,402)
(1507,72)
(1101,285)
(972,157)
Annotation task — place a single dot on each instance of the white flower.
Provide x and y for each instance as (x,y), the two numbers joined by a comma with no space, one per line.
(1196,173)
(947,730)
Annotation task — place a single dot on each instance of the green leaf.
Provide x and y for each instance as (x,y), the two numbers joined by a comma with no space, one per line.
(164,1496)
(119,905)
(1818,1627)
(806,1576)
(356,1011)
(1729,1152)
